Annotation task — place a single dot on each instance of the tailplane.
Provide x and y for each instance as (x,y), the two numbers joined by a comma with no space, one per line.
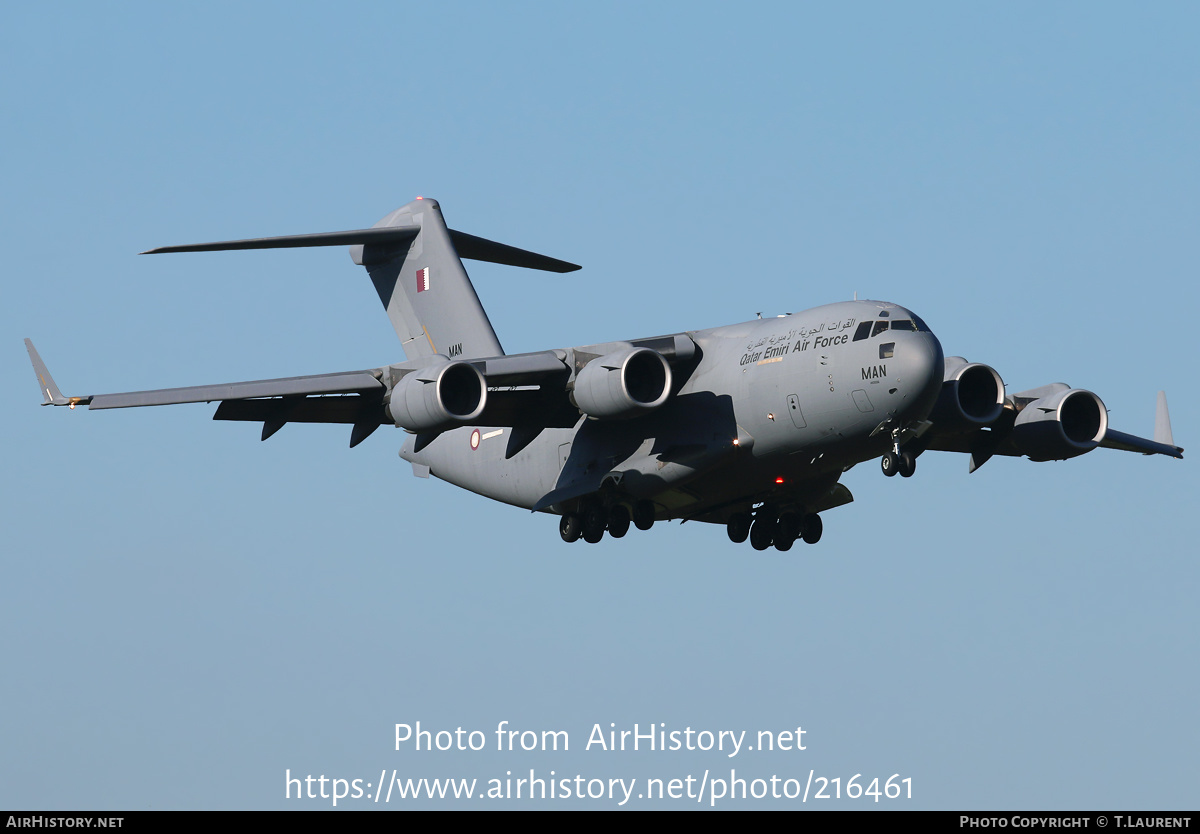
(415,263)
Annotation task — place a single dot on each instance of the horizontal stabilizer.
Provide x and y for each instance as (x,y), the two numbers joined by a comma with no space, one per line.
(415,262)
(480,249)
(364,236)
(468,246)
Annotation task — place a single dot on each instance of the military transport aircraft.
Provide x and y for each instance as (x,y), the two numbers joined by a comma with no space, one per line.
(749,425)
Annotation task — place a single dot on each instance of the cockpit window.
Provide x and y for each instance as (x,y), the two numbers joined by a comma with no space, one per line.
(903,324)
(921,326)
(887,350)
(880,326)
(863,331)
(883,314)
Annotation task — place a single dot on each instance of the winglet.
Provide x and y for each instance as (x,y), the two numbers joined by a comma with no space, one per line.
(1162,444)
(50,393)
(1162,422)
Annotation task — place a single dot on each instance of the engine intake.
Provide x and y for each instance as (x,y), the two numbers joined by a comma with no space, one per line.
(1061,426)
(972,395)
(624,384)
(439,397)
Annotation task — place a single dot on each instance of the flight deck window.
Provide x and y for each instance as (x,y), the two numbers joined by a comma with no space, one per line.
(864,330)
(880,326)
(887,350)
(903,324)
(922,327)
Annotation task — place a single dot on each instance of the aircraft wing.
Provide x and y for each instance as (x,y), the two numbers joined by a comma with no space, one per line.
(998,438)
(528,391)
(353,397)
(525,391)
(983,438)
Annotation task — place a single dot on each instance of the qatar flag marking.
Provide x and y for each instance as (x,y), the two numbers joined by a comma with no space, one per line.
(422,279)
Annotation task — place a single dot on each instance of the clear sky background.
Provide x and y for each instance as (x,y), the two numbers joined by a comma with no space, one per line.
(189,612)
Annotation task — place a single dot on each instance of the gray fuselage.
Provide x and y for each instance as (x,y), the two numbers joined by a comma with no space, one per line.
(770,410)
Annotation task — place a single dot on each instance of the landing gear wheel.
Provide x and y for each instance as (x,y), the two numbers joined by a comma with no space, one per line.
(570,527)
(594,522)
(811,528)
(618,521)
(788,528)
(643,514)
(890,463)
(907,464)
(784,544)
(738,527)
(762,533)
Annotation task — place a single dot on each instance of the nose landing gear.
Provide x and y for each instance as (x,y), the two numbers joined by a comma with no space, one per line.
(904,462)
(903,459)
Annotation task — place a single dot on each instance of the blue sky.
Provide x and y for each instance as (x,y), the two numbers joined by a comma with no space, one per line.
(190,612)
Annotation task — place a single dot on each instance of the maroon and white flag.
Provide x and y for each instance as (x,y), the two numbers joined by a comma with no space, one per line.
(422,279)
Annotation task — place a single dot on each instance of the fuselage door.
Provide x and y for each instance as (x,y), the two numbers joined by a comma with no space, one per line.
(794,409)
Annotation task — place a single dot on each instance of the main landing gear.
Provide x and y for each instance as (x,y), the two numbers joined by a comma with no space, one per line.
(766,528)
(593,519)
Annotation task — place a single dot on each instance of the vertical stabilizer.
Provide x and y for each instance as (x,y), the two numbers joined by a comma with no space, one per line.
(425,289)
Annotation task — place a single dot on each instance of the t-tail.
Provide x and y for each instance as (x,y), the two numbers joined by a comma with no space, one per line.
(414,261)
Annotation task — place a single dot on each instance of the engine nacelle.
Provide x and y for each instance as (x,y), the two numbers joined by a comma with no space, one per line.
(439,397)
(1061,425)
(972,395)
(624,384)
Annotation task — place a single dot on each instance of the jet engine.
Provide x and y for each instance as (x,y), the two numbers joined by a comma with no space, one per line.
(624,384)
(438,397)
(972,395)
(1060,426)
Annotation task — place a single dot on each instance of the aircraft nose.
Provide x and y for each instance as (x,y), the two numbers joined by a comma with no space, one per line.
(920,361)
